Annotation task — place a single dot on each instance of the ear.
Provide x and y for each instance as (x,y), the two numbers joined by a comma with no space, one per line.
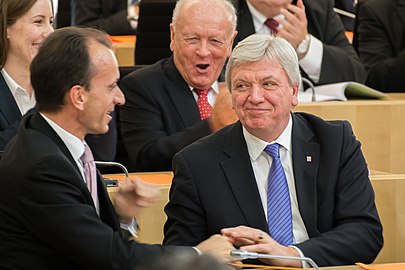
(295,95)
(232,41)
(172,37)
(77,97)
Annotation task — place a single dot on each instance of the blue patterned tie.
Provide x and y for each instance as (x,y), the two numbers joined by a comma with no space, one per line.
(278,200)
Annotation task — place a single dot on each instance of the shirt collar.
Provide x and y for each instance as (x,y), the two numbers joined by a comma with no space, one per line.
(74,144)
(256,146)
(214,87)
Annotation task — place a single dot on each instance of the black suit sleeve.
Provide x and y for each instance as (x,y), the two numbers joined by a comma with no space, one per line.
(356,231)
(186,223)
(380,46)
(110,16)
(151,129)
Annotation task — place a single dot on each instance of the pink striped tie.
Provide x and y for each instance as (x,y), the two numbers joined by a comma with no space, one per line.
(90,174)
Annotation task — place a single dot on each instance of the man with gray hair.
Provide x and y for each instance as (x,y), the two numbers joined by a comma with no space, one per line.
(177,101)
(288,183)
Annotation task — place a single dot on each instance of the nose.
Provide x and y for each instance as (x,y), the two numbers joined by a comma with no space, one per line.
(119,98)
(203,49)
(256,94)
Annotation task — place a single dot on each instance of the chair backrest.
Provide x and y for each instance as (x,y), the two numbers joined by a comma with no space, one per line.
(153,34)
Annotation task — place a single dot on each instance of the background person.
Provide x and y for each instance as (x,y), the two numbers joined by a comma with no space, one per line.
(313,29)
(162,114)
(381,43)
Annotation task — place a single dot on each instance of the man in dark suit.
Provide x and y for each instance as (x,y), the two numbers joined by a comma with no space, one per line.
(161,114)
(108,15)
(50,217)
(381,43)
(313,29)
(221,181)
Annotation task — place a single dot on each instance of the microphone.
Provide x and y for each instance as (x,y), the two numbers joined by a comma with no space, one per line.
(311,86)
(116,164)
(243,254)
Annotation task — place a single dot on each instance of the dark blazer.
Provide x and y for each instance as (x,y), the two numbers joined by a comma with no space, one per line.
(340,61)
(10,115)
(381,43)
(104,146)
(48,218)
(214,187)
(109,15)
(159,118)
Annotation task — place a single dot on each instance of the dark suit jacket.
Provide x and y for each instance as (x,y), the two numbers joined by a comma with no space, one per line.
(104,146)
(214,187)
(159,118)
(10,115)
(381,43)
(340,61)
(48,218)
(109,15)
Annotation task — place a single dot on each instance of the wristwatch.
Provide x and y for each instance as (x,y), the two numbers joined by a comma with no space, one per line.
(303,47)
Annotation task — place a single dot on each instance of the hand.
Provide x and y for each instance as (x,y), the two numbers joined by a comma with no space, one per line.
(222,112)
(133,195)
(217,246)
(295,24)
(255,240)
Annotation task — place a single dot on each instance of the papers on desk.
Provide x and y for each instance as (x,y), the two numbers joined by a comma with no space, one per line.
(341,92)
(385,266)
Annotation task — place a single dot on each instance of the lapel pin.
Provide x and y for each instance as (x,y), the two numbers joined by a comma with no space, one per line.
(309,159)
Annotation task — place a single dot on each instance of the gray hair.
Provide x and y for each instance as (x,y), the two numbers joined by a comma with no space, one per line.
(181,5)
(259,47)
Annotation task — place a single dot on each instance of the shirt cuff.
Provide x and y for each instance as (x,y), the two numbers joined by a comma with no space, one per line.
(131,227)
(312,61)
(304,263)
(198,251)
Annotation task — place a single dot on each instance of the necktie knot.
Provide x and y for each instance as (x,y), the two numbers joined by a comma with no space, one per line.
(203,92)
(87,155)
(272,24)
(273,150)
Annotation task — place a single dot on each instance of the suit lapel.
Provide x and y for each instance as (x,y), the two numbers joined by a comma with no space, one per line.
(181,95)
(241,179)
(8,106)
(305,162)
(39,124)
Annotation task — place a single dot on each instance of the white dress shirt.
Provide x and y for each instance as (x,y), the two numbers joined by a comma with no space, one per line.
(261,163)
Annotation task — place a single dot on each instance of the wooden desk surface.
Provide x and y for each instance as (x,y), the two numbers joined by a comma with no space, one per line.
(377,124)
(389,192)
